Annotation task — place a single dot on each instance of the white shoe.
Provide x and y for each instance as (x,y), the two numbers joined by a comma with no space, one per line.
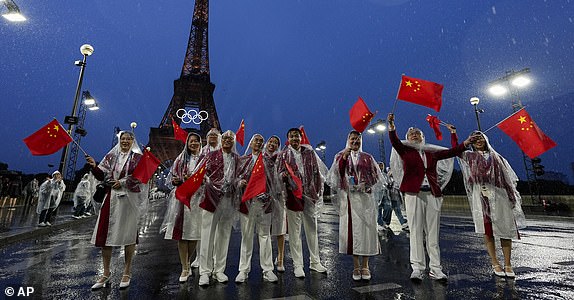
(100,284)
(195,263)
(221,277)
(48,223)
(417,275)
(87,214)
(270,276)
(42,224)
(184,276)
(299,273)
(203,279)
(241,277)
(76,217)
(438,275)
(318,267)
(125,284)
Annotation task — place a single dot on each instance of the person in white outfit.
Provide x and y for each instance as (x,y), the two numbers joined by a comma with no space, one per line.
(495,203)
(302,210)
(51,192)
(356,177)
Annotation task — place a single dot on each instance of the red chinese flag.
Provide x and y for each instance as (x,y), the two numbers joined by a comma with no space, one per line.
(304,138)
(421,92)
(360,115)
(184,192)
(146,167)
(257,182)
(434,123)
(178,133)
(240,134)
(525,133)
(49,139)
(298,190)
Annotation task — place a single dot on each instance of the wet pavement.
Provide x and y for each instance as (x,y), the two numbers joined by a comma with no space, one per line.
(58,262)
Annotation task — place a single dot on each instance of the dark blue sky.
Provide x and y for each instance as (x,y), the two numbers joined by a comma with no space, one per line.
(279,64)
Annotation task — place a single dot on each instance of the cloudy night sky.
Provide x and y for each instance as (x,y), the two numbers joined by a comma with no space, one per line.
(280,64)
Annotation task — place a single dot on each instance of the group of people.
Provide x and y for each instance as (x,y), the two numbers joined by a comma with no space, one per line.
(294,179)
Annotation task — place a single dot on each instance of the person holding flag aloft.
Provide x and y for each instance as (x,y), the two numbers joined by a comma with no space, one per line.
(357,179)
(422,170)
(302,173)
(182,223)
(219,206)
(125,202)
(494,201)
(255,209)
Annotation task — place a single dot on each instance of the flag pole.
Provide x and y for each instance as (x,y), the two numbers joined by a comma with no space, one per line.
(397,97)
(503,120)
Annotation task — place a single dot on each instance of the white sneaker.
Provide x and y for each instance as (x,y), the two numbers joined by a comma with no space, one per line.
(270,276)
(204,279)
(241,277)
(438,275)
(48,223)
(417,275)
(42,224)
(318,267)
(87,214)
(221,277)
(299,273)
(76,217)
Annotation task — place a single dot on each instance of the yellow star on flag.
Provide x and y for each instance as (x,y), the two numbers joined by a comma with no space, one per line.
(408,83)
(522,119)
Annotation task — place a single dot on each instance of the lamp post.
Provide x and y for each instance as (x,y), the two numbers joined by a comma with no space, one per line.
(379,126)
(88,103)
(321,147)
(511,82)
(13,14)
(71,120)
(474,101)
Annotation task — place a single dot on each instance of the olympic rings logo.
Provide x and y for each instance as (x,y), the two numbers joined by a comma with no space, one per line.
(191,116)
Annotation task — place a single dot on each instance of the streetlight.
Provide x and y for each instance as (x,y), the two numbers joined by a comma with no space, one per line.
(474,101)
(321,148)
(88,103)
(71,120)
(511,82)
(13,14)
(379,126)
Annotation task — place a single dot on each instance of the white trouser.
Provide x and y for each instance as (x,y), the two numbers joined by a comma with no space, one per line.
(215,234)
(294,219)
(423,210)
(248,223)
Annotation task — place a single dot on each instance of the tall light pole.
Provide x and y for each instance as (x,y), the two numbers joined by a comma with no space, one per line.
(71,120)
(88,103)
(379,126)
(321,147)
(511,82)
(474,101)
(13,14)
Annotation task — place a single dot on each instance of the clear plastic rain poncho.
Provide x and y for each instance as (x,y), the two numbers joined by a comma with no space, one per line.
(274,187)
(221,181)
(444,167)
(82,194)
(185,164)
(315,173)
(263,203)
(361,182)
(488,176)
(119,166)
(208,147)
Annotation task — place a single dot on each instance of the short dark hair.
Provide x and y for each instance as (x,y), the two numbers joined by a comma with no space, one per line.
(294,129)
(355,133)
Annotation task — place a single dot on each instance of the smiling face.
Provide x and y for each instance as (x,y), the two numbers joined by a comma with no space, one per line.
(294,138)
(212,139)
(227,142)
(354,141)
(256,144)
(414,135)
(479,142)
(126,142)
(272,144)
(193,144)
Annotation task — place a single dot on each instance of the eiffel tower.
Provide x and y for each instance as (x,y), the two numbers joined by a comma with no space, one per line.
(193,90)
